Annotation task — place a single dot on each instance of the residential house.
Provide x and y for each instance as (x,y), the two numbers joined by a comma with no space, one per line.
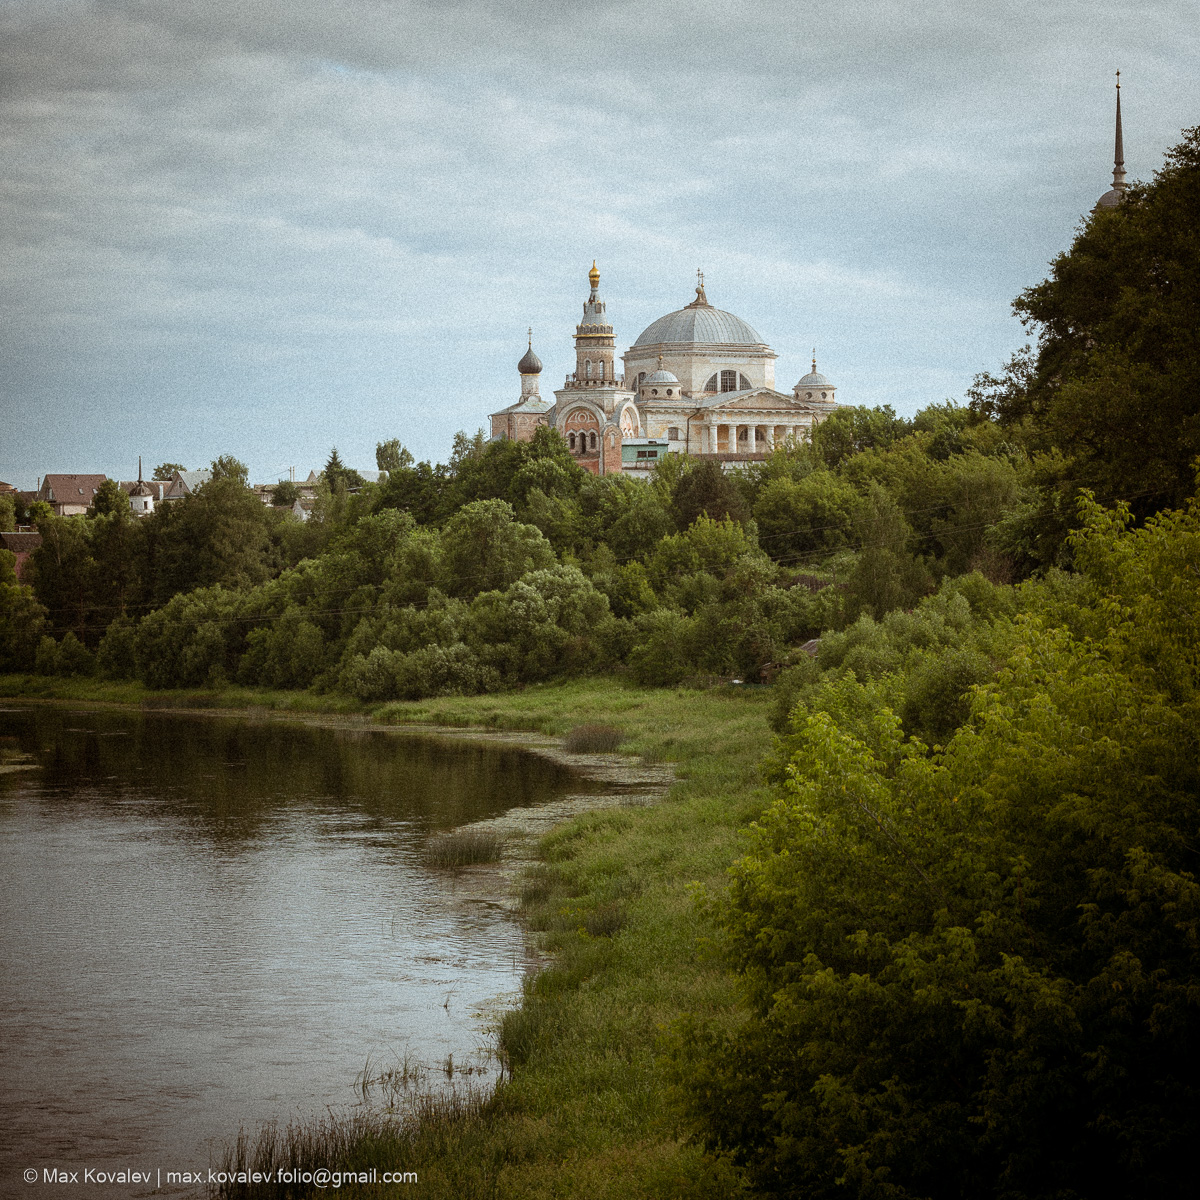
(70,495)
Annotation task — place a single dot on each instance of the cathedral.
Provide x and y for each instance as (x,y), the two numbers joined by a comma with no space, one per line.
(698,381)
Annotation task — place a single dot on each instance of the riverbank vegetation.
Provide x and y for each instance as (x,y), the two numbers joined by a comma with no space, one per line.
(943,939)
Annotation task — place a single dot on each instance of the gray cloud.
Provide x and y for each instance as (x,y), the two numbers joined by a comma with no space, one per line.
(267,228)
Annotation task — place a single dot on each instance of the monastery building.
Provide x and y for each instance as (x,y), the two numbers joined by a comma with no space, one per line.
(698,381)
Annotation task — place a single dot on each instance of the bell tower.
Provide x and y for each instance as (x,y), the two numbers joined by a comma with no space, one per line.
(595,346)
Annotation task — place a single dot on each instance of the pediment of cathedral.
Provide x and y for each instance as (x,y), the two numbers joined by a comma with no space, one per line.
(757,400)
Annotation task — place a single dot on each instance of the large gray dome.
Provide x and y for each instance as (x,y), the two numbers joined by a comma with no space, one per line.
(699,323)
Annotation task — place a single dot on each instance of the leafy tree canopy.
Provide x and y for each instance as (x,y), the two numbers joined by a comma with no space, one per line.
(228,467)
(284,494)
(972,973)
(1113,384)
(110,499)
(390,456)
(164,472)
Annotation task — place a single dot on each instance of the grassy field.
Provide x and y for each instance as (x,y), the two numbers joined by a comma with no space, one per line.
(587,1109)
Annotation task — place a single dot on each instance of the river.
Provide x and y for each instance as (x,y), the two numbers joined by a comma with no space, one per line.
(209,922)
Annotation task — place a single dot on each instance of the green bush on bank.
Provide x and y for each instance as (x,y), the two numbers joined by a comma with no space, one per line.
(973,972)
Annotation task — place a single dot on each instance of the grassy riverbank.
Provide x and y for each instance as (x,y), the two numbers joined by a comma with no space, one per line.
(587,1110)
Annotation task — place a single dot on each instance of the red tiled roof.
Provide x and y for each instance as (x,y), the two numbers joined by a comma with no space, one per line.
(70,489)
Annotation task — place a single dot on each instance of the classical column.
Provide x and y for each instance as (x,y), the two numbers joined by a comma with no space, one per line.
(770,436)
(751,439)
(714,438)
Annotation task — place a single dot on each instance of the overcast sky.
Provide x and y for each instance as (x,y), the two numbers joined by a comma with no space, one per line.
(268,227)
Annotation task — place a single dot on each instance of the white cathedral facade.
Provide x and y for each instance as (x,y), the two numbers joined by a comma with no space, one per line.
(698,381)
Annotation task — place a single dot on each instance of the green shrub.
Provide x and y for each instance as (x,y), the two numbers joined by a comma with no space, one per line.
(973,974)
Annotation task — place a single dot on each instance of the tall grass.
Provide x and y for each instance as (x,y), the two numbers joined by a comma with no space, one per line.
(464,848)
(432,1125)
(593,739)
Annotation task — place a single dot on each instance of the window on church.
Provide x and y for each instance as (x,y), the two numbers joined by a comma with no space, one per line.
(572,441)
(673,433)
(641,378)
(593,441)
(587,368)
(728,381)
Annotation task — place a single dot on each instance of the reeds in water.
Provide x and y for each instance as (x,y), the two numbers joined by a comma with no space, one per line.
(464,847)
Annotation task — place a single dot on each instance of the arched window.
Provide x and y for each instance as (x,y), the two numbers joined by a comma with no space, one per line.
(728,381)
(587,368)
(641,378)
(593,441)
(602,368)
(673,434)
(572,441)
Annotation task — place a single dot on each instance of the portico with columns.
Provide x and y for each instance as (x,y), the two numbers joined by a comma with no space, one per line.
(753,423)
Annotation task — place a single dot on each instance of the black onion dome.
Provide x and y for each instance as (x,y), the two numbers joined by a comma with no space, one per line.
(530,364)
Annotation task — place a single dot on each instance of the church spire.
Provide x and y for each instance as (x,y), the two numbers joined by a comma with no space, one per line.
(1119,147)
(1116,193)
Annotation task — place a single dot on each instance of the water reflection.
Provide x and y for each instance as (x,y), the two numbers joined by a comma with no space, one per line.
(207,921)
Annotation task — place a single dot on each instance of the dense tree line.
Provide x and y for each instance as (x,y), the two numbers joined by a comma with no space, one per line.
(512,564)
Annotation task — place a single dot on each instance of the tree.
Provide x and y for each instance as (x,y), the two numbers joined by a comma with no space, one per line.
(484,548)
(419,490)
(284,494)
(218,534)
(228,467)
(706,490)
(886,575)
(851,429)
(22,625)
(340,476)
(391,457)
(110,499)
(62,572)
(1118,323)
(165,472)
(800,518)
(8,513)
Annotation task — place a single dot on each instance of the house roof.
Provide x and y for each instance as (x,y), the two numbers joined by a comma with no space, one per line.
(20,542)
(150,487)
(70,489)
(185,482)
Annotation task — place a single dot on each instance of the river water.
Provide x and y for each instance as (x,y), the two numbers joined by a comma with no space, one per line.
(207,923)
